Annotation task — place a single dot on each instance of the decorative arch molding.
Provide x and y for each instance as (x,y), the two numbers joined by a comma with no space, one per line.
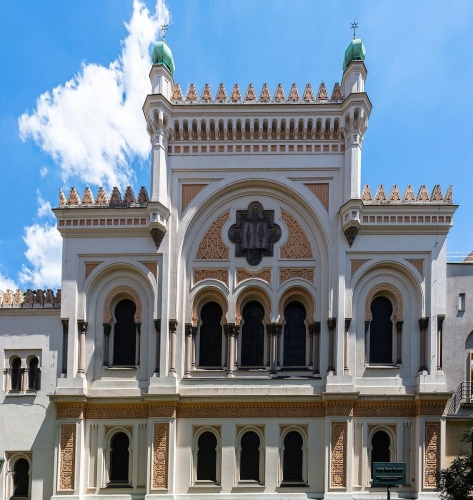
(300,294)
(212,245)
(253,293)
(384,287)
(297,245)
(122,289)
(209,295)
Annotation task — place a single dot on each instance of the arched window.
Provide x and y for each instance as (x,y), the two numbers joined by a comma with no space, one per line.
(381,331)
(293,458)
(119,458)
(21,479)
(15,374)
(380,448)
(210,338)
(124,343)
(294,335)
(250,457)
(33,374)
(207,457)
(252,335)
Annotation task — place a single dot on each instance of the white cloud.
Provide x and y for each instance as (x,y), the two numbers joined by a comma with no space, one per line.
(7,283)
(93,126)
(44,209)
(44,254)
(43,171)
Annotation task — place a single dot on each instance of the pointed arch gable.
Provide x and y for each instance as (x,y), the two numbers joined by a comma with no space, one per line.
(253,293)
(391,289)
(126,290)
(300,294)
(208,295)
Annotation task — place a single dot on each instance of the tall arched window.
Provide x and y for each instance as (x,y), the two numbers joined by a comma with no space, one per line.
(210,338)
(207,457)
(294,335)
(124,341)
(381,331)
(249,457)
(252,335)
(33,374)
(380,448)
(15,374)
(293,458)
(119,458)
(21,479)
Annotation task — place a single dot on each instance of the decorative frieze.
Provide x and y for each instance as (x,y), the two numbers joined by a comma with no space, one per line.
(115,200)
(287,273)
(211,274)
(212,245)
(321,191)
(297,245)
(431,454)
(122,289)
(256,148)
(189,192)
(384,287)
(102,222)
(67,457)
(243,274)
(409,196)
(160,456)
(338,455)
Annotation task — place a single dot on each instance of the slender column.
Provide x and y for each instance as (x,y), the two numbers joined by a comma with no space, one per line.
(332,323)
(194,336)
(188,333)
(345,345)
(225,345)
(172,349)
(157,327)
(65,331)
(316,344)
(107,328)
(82,327)
(367,327)
(235,347)
(230,330)
(273,330)
(311,346)
(399,341)
(423,325)
(138,343)
(440,319)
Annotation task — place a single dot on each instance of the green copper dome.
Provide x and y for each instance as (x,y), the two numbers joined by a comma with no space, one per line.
(162,55)
(355,52)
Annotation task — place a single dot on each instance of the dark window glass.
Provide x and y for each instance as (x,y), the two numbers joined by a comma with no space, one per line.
(210,352)
(292,471)
(249,456)
(381,331)
(380,444)
(252,335)
(207,457)
(33,374)
(124,344)
(119,455)
(294,335)
(15,374)
(21,479)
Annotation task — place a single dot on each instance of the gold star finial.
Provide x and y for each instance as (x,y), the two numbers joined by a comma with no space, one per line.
(164,28)
(354,25)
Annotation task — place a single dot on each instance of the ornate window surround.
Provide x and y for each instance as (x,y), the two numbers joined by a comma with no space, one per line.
(107,450)
(388,429)
(25,358)
(196,339)
(305,451)
(262,449)
(280,347)
(12,457)
(195,448)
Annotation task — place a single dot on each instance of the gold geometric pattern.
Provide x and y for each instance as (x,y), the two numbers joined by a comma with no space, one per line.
(67,457)
(297,294)
(253,293)
(208,274)
(263,274)
(381,288)
(89,267)
(160,456)
(122,289)
(321,191)
(212,245)
(297,245)
(153,268)
(189,192)
(356,264)
(431,454)
(418,264)
(115,410)
(338,456)
(208,295)
(287,273)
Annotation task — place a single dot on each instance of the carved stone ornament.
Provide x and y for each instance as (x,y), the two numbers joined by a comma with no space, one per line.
(254,233)
(157,235)
(350,234)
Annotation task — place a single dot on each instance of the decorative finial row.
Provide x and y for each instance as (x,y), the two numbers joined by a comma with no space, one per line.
(409,196)
(250,95)
(31,298)
(102,199)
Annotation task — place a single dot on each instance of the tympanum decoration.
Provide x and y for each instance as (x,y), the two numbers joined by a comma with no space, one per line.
(254,233)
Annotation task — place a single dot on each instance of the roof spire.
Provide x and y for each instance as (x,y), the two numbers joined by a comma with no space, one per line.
(164,28)
(354,25)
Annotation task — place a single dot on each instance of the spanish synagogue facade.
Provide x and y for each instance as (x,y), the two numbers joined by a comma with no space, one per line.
(256,325)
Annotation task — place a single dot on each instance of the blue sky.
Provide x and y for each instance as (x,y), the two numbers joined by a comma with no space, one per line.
(74,77)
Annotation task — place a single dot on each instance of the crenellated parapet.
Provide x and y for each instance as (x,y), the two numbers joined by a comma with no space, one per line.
(251,97)
(39,299)
(102,200)
(394,196)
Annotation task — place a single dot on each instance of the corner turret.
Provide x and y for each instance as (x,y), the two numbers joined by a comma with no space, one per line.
(162,71)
